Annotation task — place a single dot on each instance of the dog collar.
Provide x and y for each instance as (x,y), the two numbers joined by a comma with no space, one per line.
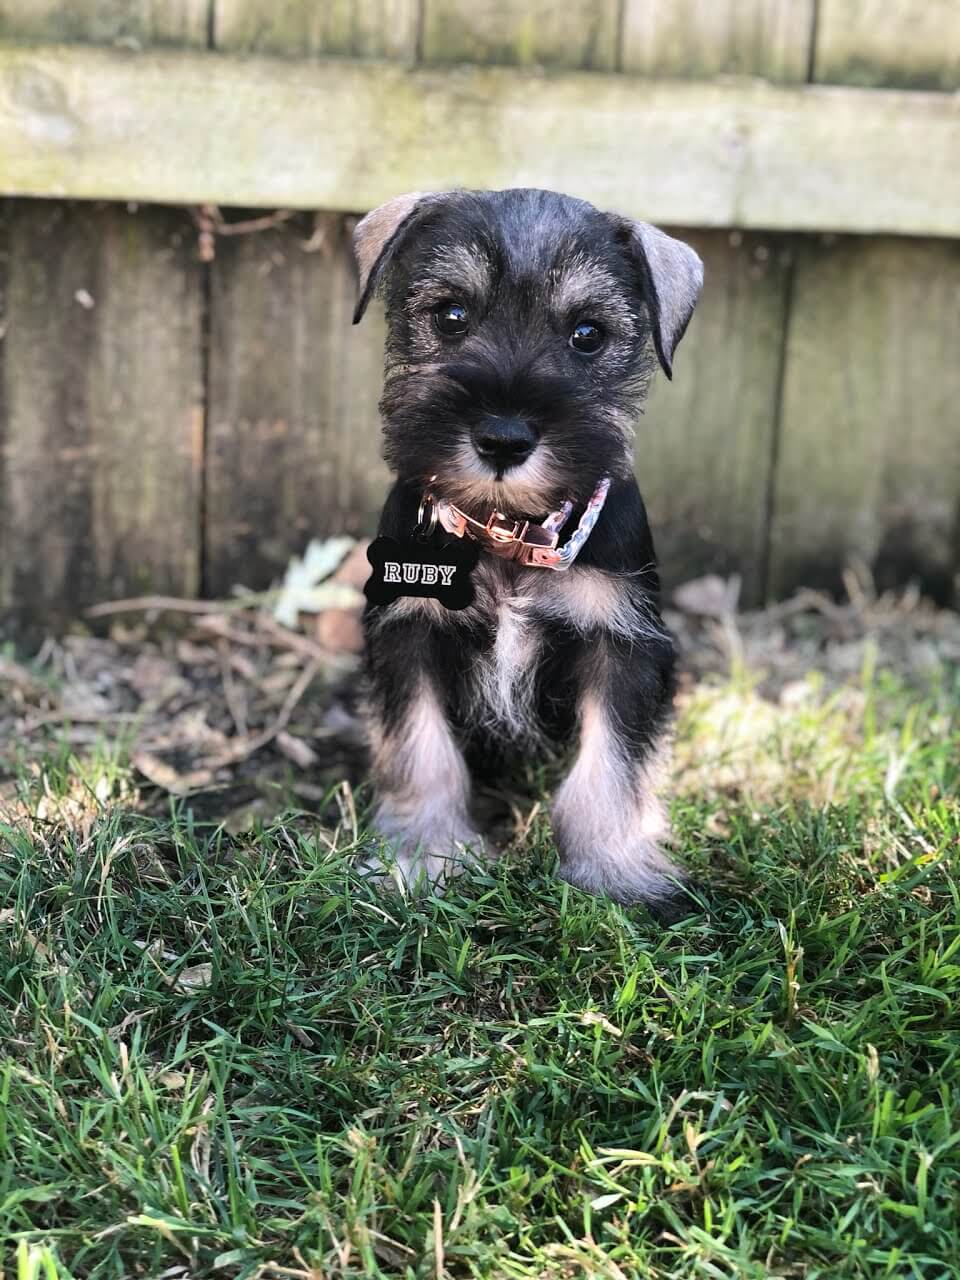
(518,540)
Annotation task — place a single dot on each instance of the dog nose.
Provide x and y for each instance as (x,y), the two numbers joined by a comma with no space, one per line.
(504,441)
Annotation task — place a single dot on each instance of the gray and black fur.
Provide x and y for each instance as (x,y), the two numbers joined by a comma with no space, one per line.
(508,414)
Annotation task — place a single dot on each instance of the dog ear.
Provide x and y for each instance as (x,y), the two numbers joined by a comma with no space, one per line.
(377,237)
(672,275)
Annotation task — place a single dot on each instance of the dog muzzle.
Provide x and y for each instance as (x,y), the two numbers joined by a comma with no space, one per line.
(518,540)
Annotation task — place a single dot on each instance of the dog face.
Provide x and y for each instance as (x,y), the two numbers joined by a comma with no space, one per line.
(523,327)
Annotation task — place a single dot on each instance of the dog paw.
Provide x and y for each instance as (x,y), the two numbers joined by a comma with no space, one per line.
(677,903)
(421,868)
(640,874)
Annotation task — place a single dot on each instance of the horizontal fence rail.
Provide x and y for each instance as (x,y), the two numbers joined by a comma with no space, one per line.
(197,127)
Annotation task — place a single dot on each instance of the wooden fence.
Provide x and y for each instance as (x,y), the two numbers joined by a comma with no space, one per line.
(182,407)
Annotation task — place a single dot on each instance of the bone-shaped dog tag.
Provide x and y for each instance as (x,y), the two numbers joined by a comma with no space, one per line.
(419,568)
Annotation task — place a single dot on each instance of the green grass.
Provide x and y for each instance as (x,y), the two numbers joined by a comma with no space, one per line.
(230,1057)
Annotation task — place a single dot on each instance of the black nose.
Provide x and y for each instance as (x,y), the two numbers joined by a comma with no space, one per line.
(504,441)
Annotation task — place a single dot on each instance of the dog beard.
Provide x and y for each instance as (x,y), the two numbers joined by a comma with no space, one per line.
(429,411)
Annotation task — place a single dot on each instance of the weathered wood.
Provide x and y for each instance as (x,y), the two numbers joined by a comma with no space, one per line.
(356,28)
(869,457)
(701,38)
(293,448)
(294,436)
(101,426)
(252,131)
(101,404)
(704,444)
(6,561)
(583,36)
(126,22)
(913,44)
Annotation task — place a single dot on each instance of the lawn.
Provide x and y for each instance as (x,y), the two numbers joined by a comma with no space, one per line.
(225,1054)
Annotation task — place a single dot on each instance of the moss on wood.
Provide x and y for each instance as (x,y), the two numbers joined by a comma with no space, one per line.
(346,135)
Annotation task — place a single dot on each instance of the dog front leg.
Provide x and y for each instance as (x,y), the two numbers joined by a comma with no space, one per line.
(421,780)
(607,816)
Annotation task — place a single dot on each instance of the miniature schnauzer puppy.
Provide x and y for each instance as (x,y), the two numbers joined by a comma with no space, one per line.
(523,328)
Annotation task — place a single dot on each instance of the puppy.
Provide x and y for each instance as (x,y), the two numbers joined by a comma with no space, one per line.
(523,328)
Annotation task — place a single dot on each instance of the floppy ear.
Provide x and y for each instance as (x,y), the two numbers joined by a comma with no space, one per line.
(378,236)
(673,277)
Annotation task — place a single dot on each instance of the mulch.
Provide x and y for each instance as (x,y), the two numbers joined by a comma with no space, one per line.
(248,716)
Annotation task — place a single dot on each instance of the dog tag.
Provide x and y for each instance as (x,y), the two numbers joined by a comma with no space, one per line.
(420,568)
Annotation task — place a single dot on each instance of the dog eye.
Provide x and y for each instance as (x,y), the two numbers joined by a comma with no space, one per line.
(587,338)
(451,320)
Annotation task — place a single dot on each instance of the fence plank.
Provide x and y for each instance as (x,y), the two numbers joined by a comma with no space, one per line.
(701,38)
(134,22)
(870,452)
(102,408)
(356,28)
(913,44)
(247,130)
(294,436)
(583,36)
(704,443)
(103,432)
(6,561)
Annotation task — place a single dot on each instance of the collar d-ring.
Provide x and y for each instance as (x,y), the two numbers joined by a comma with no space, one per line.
(427,516)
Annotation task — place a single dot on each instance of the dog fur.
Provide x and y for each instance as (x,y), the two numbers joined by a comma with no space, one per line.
(541,661)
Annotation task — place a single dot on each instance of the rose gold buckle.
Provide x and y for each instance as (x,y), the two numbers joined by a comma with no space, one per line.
(501,529)
(535,535)
(544,557)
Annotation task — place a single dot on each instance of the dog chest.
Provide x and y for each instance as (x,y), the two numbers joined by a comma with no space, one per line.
(504,674)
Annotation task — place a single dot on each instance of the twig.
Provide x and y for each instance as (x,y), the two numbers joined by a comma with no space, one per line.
(180,604)
(208,611)
(281,637)
(159,604)
(242,750)
(236,704)
(79,717)
(804,600)
(306,678)
(208,216)
(277,636)
(14,673)
(210,223)
(253,225)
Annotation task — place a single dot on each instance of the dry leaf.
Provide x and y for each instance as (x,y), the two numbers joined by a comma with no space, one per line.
(162,775)
(296,749)
(195,977)
(304,590)
(710,596)
(591,1019)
